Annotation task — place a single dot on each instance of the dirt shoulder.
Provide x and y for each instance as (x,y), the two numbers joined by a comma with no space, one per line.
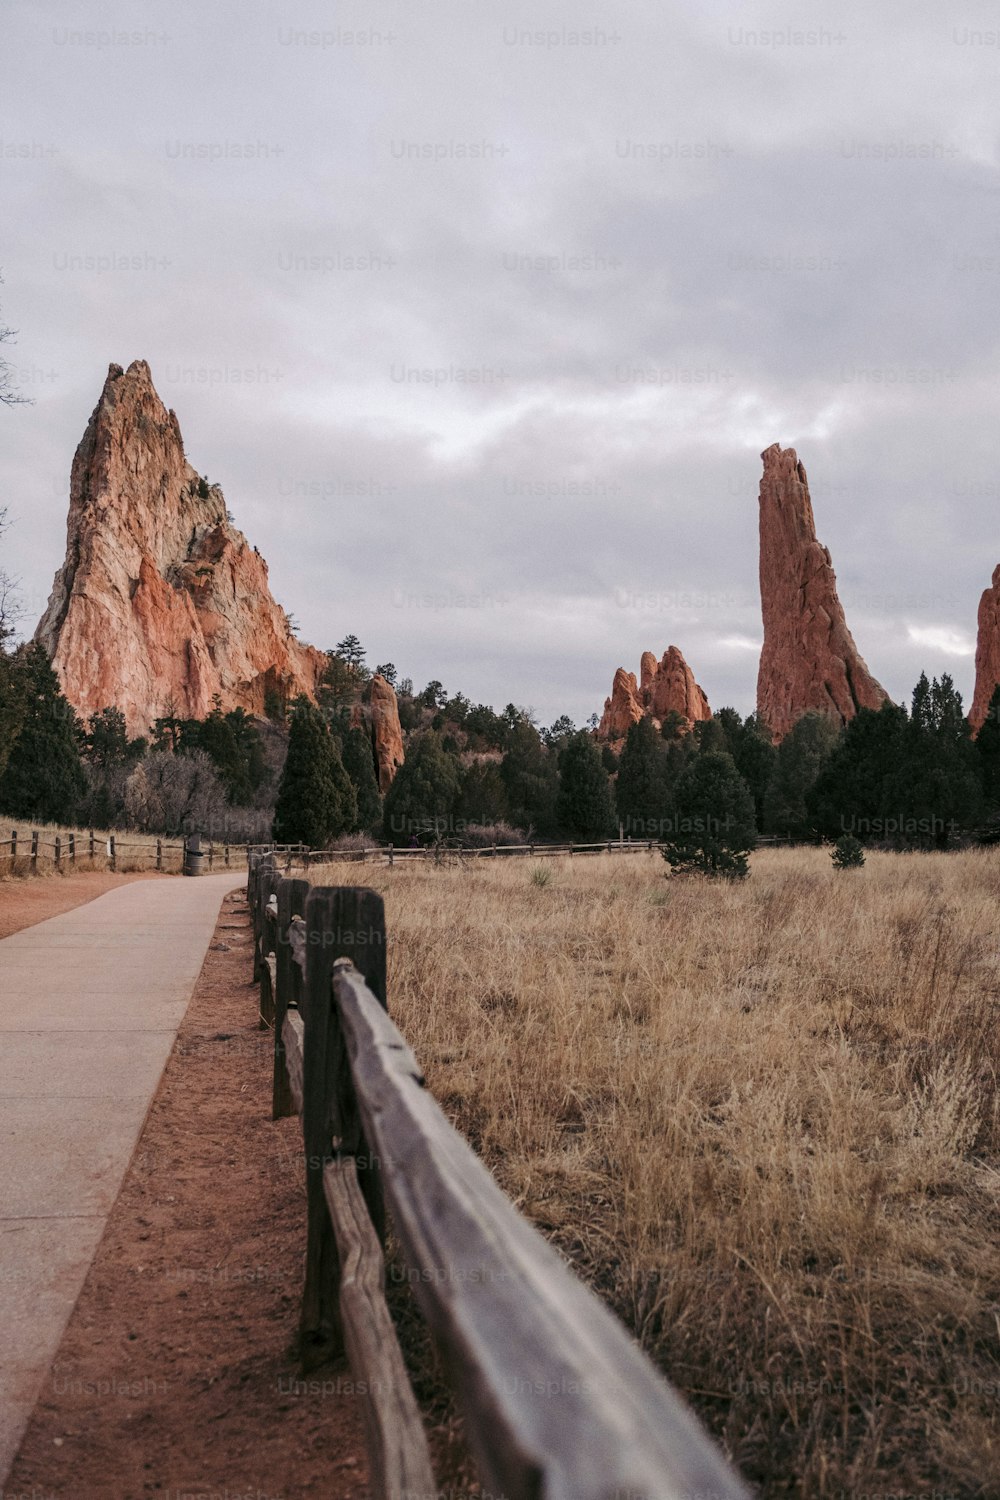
(24,902)
(177,1371)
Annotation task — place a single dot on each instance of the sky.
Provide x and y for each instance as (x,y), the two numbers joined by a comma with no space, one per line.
(481,312)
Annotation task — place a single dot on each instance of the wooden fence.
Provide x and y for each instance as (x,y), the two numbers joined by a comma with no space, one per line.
(559,1402)
(66,850)
(290,854)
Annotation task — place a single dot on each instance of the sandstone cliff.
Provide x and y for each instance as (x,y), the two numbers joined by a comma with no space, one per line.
(987,652)
(809,659)
(665,686)
(161,603)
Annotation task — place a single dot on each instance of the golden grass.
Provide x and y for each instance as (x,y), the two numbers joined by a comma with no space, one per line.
(760,1118)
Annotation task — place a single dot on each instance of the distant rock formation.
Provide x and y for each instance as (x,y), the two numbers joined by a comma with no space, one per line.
(987,652)
(664,687)
(809,659)
(381,713)
(161,603)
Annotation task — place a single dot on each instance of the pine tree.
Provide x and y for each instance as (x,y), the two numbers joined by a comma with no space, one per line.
(530,776)
(713,826)
(316,801)
(584,806)
(420,804)
(642,796)
(43,779)
(797,765)
(359,763)
(482,795)
(852,793)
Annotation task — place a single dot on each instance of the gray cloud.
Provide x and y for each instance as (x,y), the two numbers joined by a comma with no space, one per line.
(482,315)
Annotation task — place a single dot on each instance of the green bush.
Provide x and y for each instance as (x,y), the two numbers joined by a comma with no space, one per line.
(847,853)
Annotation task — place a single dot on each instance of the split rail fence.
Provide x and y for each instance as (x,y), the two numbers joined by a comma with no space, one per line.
(390,853)
(559,1402)
(66,850)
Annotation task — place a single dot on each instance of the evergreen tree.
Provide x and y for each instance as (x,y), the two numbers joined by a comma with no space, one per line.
(936,788)
(584,806)
(797,764)
(482,795)
(359,763)
(420,804)
(852,792)
(642,795)
(43,779)
(12,705)
(530,776)
(751,748)
(713,826)
(316,801)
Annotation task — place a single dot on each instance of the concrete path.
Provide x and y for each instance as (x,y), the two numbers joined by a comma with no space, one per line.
(90,1003)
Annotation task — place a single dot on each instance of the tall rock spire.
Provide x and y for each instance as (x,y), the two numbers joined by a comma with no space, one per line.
(161,604)
(809,659)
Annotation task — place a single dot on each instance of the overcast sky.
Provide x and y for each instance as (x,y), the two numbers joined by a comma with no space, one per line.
(632,244)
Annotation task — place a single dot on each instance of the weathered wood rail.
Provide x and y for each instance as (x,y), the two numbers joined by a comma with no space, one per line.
(559,1402)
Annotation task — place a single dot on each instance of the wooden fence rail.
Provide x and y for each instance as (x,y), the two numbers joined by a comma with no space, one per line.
(559,1402)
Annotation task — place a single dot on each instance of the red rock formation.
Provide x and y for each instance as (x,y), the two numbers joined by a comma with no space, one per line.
(987,652)
(381,712)
(809,659)
(664,687)
(161,603)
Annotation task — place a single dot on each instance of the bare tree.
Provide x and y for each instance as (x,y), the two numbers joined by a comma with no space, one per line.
(9,395)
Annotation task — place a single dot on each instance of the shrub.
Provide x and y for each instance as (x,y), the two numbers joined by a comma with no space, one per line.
(847,853)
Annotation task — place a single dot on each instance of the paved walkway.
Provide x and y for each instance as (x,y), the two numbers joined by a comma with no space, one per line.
(90,1003)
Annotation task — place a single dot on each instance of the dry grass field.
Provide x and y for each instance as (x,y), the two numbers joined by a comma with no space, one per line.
(761,1119)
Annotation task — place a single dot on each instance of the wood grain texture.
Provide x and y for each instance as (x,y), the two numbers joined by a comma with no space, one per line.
(397,1446)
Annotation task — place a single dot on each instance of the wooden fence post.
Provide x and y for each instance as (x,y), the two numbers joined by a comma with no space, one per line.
(159,854)
(34,851)
(292,896)
(341,922)
(227,856)
(91,851)
(58,851)
(113,852)
(268,946)
(390,854)
(72,848)
(13,847)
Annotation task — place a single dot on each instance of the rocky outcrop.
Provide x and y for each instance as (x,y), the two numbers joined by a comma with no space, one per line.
(161,605)
(987,652)
(381,714)
(809,659)
(664,687)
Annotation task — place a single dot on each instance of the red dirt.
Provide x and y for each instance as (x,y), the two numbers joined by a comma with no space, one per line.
(177,1372)
(23,902)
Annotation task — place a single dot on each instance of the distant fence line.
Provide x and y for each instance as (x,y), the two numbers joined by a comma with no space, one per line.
(65,850)
(558,1399)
